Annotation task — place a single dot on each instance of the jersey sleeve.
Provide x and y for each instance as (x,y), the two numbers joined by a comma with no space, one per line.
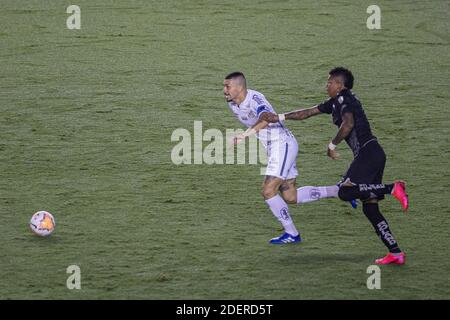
(326,106)
(261,109)
(261,105)
(347,104)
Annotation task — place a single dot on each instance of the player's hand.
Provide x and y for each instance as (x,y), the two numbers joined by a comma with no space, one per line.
(237,139)
(333,154)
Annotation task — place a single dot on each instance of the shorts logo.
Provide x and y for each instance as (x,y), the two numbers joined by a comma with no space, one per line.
(370,187)
(314,194)
(284,214)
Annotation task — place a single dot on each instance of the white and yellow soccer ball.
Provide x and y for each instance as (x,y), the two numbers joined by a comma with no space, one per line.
(42,223)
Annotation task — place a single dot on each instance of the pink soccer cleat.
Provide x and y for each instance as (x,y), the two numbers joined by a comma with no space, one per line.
(399,192)
(390,258)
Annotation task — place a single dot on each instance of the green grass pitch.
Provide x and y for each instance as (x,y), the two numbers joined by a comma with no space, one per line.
(87,116)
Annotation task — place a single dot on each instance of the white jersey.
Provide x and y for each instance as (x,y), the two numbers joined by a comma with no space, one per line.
(248,113)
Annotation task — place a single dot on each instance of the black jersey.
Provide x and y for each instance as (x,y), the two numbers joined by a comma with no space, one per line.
(344,102)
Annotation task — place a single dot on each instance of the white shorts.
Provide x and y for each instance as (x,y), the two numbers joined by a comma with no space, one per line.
(281,159)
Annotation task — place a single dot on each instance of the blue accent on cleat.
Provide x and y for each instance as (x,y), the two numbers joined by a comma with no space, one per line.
(354,203)
(285,239)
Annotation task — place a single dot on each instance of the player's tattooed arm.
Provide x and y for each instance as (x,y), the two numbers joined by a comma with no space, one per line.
(302,114)
(345,128)
(269,117)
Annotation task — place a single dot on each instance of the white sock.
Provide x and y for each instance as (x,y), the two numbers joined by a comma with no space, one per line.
(308,193)
(280,210)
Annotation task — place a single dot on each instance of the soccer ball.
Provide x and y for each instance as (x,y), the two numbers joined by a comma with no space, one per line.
(42,223)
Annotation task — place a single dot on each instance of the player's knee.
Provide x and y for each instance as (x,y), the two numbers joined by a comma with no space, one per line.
(290,198)
(268,192)
(345,194)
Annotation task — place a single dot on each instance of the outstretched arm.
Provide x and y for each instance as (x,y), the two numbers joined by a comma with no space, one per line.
(259,125)
(294,115)
(268,117)
(302,114)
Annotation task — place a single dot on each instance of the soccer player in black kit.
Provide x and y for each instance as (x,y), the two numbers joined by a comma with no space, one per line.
(363,179)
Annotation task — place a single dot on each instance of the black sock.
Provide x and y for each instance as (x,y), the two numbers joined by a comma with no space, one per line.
(364,191)
(381,226)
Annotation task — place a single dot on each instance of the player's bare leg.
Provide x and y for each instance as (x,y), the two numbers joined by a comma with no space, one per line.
(280,210)
(288,190)
(270,186)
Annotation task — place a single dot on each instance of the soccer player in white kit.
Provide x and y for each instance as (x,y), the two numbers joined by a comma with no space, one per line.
(279,187)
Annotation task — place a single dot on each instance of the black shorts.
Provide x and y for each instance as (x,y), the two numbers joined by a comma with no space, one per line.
(368,166)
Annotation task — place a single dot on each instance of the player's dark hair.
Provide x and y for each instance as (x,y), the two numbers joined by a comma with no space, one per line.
(237,75)
(345,74)
(234,75)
